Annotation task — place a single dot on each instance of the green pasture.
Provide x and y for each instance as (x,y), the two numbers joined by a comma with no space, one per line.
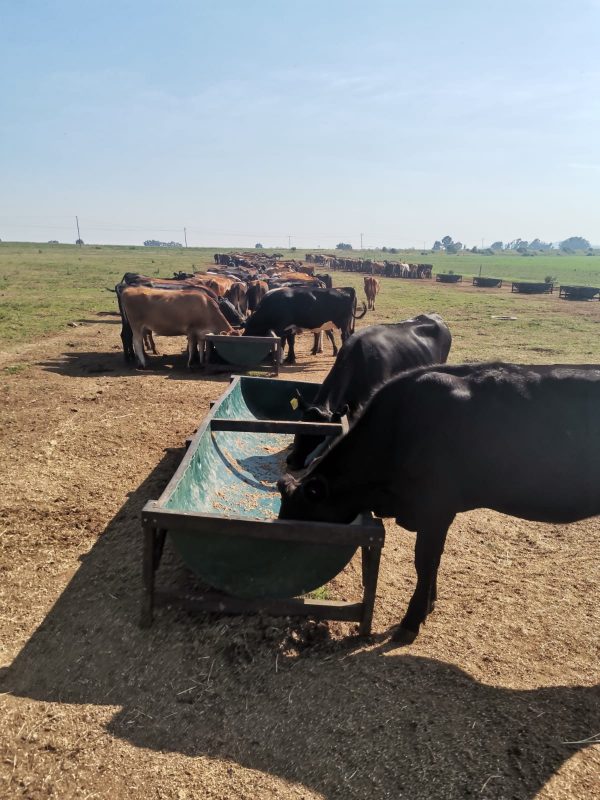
(44,287)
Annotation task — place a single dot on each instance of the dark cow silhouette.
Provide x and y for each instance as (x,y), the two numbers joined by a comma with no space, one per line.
(369,358)
(287,311)
(522,440)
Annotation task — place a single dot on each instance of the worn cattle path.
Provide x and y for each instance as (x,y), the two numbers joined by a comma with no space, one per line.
(502,676)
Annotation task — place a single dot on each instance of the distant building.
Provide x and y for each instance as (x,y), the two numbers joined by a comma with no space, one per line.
(156,243)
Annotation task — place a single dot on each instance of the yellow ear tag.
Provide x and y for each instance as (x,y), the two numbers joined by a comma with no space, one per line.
(294,403)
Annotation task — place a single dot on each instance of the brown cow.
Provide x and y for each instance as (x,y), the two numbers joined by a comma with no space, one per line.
(171,312)
(220,284)
(255,293)
(371,290)
(238,296)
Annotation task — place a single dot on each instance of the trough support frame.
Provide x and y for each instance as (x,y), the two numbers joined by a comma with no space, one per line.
(214,602)
(205,352)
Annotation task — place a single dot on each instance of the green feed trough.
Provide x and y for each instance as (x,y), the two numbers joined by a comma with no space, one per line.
(221,506)
(243,352)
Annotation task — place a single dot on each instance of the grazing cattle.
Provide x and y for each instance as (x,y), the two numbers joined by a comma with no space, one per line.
(371,291)
(287,311)
(368,359)
(436,441)
(170,312)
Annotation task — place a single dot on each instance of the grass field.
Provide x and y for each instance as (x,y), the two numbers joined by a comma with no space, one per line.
(44,287)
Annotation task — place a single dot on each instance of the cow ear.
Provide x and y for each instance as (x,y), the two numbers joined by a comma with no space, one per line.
(316,489)
(301,401)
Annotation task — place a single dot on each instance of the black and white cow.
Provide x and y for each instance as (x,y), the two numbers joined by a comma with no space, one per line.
(369,358)
(435,441)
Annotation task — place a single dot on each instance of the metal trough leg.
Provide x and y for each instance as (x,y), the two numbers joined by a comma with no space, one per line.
(154,541)
(370,568)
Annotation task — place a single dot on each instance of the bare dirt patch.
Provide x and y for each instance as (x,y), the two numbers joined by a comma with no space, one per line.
(493,701)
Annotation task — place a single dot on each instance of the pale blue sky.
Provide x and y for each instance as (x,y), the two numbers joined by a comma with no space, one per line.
(258,120)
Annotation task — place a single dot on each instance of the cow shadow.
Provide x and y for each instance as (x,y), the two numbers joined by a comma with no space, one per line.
(91,364)
(338,717)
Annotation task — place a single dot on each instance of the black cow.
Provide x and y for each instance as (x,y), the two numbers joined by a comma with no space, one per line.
(369,358)
(287,311)
(325,280)
(435,441)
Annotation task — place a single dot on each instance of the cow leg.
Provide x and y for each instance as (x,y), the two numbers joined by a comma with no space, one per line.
(149,342)
(127,339)
(429,547)
(318,343)
(331,338)
(291,340)
(193,356)
(138,349)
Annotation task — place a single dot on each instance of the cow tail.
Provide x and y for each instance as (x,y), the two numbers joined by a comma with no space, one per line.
(360,316)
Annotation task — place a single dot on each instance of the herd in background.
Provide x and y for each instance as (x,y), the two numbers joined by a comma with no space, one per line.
(386,269)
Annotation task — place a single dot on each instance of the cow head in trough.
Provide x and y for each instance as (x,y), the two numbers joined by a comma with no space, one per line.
(231,314)
(313,498)
(309,446)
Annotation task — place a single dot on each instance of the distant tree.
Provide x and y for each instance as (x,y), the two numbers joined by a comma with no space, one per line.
(447,241)
(452,249)
(393,250)
(384,249)
(343,246)
(496,246)
(437,246)
(79,242)
(52,241)
(258,246)
(575,243)
(474,249)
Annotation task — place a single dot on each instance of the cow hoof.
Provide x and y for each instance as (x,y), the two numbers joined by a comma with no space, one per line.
(290,361)
(402,635)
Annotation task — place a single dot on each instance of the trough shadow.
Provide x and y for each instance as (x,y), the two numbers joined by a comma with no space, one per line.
(340,719)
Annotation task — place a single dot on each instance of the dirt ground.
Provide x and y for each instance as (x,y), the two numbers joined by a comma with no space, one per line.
(496,699)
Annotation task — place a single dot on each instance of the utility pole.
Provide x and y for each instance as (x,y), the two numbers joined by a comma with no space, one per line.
(482,242)
(78,234)
(289,242)
(185,236)
(361,247)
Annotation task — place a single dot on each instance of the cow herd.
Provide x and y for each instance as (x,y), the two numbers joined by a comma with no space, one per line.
(386,269)
(426,440)
(252,298)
